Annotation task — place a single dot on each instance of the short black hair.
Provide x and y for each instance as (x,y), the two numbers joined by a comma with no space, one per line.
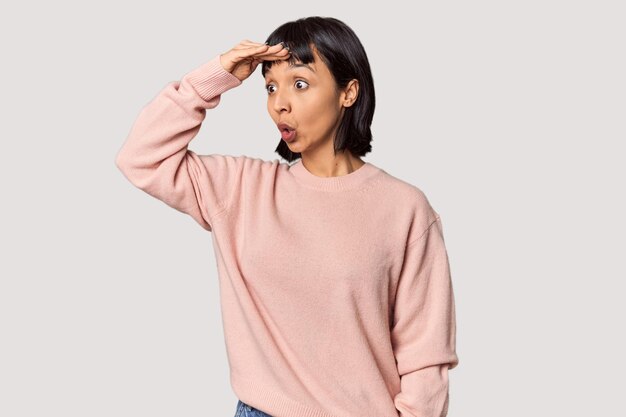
(344,55)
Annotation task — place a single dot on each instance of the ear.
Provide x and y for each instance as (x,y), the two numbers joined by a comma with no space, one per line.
(350,93)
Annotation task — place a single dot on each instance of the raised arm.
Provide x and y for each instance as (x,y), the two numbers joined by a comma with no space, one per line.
(424,330)
(155,156)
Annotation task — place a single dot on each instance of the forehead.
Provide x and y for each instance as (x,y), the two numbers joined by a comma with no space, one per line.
(287,66)
(316,67)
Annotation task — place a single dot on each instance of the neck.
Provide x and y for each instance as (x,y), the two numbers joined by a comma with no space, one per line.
(341,164)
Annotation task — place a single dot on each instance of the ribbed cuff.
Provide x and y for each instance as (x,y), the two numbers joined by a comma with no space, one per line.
(211,79)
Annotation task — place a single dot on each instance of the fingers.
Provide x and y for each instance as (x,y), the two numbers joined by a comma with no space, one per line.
(262,51)
(246,44)
(278,51)
(276,57)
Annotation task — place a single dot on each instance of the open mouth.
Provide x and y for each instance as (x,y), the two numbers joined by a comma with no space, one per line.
(287,134)
(284,127)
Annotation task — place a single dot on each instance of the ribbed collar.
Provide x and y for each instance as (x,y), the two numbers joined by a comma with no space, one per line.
(354,180)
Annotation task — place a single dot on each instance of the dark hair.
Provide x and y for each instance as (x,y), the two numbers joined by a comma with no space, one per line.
(344,55)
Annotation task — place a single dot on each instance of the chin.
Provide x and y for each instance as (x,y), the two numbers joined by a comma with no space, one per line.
(294,144)
(293,147)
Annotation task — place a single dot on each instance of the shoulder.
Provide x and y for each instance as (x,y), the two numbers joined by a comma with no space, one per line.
(412,203)
(412,195)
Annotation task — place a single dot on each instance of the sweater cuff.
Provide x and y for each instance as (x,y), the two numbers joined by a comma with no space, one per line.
(211,79)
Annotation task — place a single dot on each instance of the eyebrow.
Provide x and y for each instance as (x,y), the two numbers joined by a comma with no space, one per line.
(294,66)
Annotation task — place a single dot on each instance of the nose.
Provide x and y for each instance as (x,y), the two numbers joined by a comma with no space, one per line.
(281,101)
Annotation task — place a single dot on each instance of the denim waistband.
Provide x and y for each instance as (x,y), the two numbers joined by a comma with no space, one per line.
(246,410)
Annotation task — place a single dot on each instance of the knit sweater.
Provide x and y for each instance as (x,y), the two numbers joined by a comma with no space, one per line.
(336,294)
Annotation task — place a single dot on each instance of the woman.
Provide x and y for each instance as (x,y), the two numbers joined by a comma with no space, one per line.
(334,278)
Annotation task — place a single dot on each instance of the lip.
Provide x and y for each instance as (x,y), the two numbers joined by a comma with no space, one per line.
(285,126)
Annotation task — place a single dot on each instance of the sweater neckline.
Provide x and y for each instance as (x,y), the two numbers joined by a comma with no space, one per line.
(353,180)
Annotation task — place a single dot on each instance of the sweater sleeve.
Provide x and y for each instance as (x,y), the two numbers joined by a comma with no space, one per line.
(155,157)
(424,327)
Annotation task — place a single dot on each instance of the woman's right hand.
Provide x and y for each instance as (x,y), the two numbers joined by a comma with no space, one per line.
(243,58)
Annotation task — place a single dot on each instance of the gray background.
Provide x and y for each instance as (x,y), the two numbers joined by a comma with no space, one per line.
(508,115)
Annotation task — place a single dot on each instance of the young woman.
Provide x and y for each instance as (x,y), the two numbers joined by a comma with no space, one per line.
(335,283)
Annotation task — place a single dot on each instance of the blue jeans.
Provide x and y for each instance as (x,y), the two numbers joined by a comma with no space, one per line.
(245,410)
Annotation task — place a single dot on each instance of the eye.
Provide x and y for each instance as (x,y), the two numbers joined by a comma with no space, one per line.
(297,84)
(300,81)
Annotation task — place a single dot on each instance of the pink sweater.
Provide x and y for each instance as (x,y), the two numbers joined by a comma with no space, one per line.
(336,293)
